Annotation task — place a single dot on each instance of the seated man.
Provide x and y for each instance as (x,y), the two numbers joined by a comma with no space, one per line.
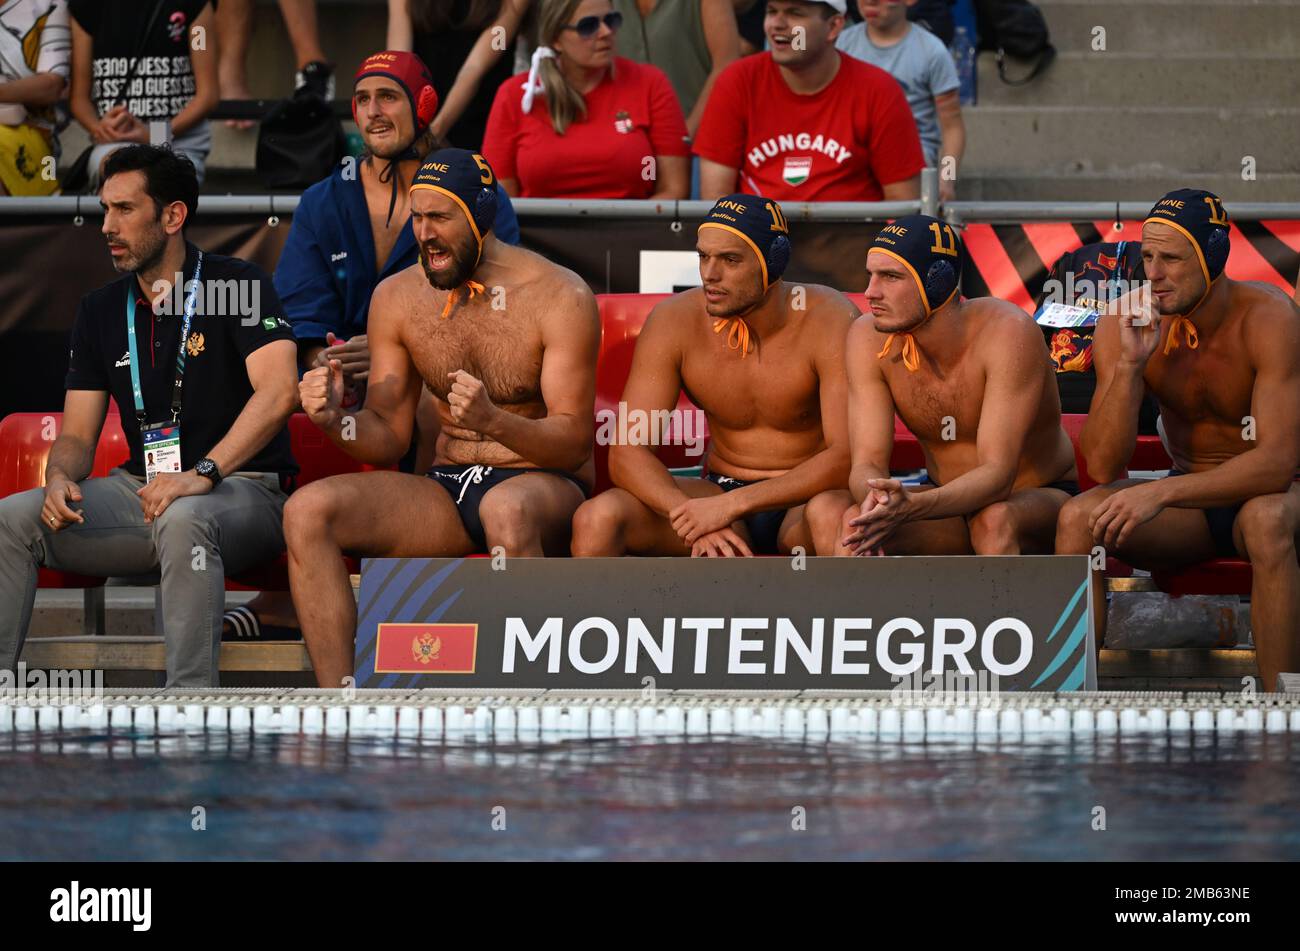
(1223,361)
(971,379)
(350,231)
(218,387)
(507,343)
(764,361)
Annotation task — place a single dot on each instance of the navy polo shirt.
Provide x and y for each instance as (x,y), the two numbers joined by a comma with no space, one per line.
(236,313)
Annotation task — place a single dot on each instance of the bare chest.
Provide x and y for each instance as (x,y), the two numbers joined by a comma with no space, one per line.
(1212,383)
(780,389)
(383,230)
(503,351)
(938,406)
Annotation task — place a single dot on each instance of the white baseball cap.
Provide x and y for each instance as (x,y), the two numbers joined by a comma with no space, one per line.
(839,6)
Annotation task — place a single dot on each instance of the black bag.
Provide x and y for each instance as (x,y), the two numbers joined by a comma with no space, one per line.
(299,142)
(935,16)
(1016,28)
(77,178)
(1085,278)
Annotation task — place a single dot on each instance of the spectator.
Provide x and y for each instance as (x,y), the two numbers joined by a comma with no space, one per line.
(121,52)
(467,44)
(222,385)
(924,68)
(350,232)
(353,229)
(583,123)
(692,41)
(235,26)
(805,122)
(34,54)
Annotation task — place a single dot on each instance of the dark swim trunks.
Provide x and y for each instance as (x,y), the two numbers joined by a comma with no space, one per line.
(468,484)
(1220,520)
(763,526)
(1068,486)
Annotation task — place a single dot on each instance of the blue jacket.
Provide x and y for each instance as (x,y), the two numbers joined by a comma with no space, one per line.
(326,271)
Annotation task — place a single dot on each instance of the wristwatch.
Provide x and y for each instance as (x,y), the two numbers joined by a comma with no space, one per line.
(208,469)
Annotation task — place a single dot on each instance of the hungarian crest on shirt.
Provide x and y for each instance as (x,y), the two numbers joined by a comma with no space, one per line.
(623,122)
(797,169)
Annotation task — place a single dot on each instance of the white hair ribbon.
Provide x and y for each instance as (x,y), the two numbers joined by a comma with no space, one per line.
(534,85)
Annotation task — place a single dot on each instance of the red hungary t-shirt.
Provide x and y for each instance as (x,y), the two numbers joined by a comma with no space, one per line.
(841,144)
(630,117)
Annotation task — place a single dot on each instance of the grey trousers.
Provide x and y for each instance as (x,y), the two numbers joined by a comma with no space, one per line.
(198,539)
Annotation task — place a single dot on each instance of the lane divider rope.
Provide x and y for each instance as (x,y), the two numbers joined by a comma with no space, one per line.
(506,718)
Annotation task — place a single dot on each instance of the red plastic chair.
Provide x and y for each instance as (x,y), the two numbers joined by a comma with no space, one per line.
(25,441)
(621,319)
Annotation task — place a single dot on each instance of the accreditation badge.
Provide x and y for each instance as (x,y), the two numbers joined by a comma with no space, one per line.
(162,449)
(1065,315)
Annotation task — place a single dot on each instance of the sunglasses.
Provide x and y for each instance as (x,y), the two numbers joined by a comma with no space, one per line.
(587,27)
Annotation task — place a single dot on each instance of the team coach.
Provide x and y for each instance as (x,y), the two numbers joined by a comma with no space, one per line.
(204,394)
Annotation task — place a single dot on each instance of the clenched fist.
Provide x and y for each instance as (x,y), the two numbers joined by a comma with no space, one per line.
(321,391)
(471,408)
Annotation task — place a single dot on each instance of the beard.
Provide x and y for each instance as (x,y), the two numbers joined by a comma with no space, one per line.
(388,152)
(463,263)
(143,255)
(730,307)
(737,303)
(893,322)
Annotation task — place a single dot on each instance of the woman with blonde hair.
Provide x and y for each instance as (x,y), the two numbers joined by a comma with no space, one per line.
(584,123)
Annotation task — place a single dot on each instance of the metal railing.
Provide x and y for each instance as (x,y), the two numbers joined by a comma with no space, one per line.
(957,212)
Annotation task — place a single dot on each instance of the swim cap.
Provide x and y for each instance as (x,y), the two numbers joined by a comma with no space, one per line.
(466,178)
(1199,217)
(760,223)
(409,72)
(931,252)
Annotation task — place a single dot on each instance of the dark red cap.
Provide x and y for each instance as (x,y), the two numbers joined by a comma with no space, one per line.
(409,72)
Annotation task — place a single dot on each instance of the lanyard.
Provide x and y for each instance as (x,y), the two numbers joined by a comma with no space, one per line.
(178,380)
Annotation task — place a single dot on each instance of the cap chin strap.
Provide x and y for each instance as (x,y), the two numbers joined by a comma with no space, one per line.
(472,290)
(1184,323)
(1188,328)
(390,170)
(738,336)
(911,352)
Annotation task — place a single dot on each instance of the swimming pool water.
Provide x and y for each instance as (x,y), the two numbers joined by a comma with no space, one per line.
(84,796)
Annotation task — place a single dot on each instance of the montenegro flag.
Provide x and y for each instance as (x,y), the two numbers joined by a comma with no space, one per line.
(426,648)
